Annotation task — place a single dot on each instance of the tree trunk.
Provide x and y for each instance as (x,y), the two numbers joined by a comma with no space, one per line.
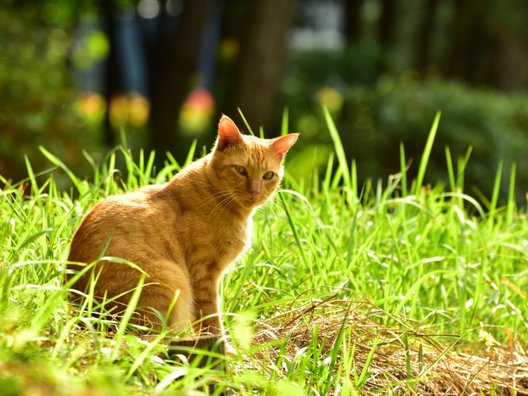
(509,69)
(468,36)
(170,81)
(111,71)
(425,35)
(352,21)
(386,29)
(259,67)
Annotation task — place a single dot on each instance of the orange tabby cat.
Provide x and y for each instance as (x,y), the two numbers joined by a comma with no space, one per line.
(182,234)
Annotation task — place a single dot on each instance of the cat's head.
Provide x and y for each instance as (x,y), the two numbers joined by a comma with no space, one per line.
(247,168)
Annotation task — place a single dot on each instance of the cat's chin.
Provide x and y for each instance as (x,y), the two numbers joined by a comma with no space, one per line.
(251,202)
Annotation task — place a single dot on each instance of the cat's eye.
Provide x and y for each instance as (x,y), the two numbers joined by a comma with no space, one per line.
(268,175)
(241,170)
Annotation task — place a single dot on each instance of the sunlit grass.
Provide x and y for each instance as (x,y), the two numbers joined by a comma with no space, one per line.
(339,276)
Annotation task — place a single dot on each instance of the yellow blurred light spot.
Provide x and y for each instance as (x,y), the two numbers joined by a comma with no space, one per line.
(132,109)
(92,105)
(138,109)
(331,98)
(119,111)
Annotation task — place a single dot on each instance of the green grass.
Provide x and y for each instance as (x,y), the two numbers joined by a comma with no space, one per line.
(338,275)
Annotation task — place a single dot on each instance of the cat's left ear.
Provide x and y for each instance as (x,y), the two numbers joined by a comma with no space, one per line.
(282,144)
(228,134)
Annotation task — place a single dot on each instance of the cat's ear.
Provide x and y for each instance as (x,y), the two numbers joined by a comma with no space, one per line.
(282,144)
(228,134)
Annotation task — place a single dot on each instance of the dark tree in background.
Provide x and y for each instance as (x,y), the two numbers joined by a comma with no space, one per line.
(259,66)
(171,75)
(468,40)
(353,20)
(387,29)
(111,74)
(254,79)
(426,34)
(509,45)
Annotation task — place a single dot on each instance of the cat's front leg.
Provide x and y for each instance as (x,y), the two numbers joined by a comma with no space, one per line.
(207,312)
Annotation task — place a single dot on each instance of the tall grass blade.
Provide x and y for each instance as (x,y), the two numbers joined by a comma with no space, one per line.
(285,122)
(338,147)
(144,355)
(31,175)
(435,361)
(450,170)
(360,382)
(511,206)
(495,192)
(293,227)
(426,154)
(461,169)
(190,154)
(127,315)
(352,238)
(403,171)
(57,162)
(341,157)
(327,180)
(245,122)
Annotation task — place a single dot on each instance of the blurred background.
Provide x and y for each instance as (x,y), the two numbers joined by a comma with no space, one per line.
(84,75)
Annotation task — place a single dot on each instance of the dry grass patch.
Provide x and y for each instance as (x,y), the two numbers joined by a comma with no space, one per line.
(395,357)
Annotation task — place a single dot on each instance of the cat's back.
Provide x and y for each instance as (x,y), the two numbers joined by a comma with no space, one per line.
(128,217)
(116,209)
(145,218)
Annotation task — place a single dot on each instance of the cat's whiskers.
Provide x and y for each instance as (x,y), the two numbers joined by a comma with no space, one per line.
(223,205)
(223,202)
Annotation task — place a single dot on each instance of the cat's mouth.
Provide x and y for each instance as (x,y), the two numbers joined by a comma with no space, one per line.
(251,200)
(248,200)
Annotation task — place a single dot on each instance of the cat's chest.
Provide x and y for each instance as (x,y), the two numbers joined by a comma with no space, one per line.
(229,241)
(218,243)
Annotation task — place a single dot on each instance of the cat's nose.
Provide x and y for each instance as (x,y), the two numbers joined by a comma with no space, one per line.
(254,187)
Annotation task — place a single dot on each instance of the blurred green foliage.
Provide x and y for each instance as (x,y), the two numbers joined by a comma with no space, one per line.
(37,99)
(374,120)
(494,125)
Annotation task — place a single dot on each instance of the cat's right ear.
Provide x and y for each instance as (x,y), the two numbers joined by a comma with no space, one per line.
(228,134)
